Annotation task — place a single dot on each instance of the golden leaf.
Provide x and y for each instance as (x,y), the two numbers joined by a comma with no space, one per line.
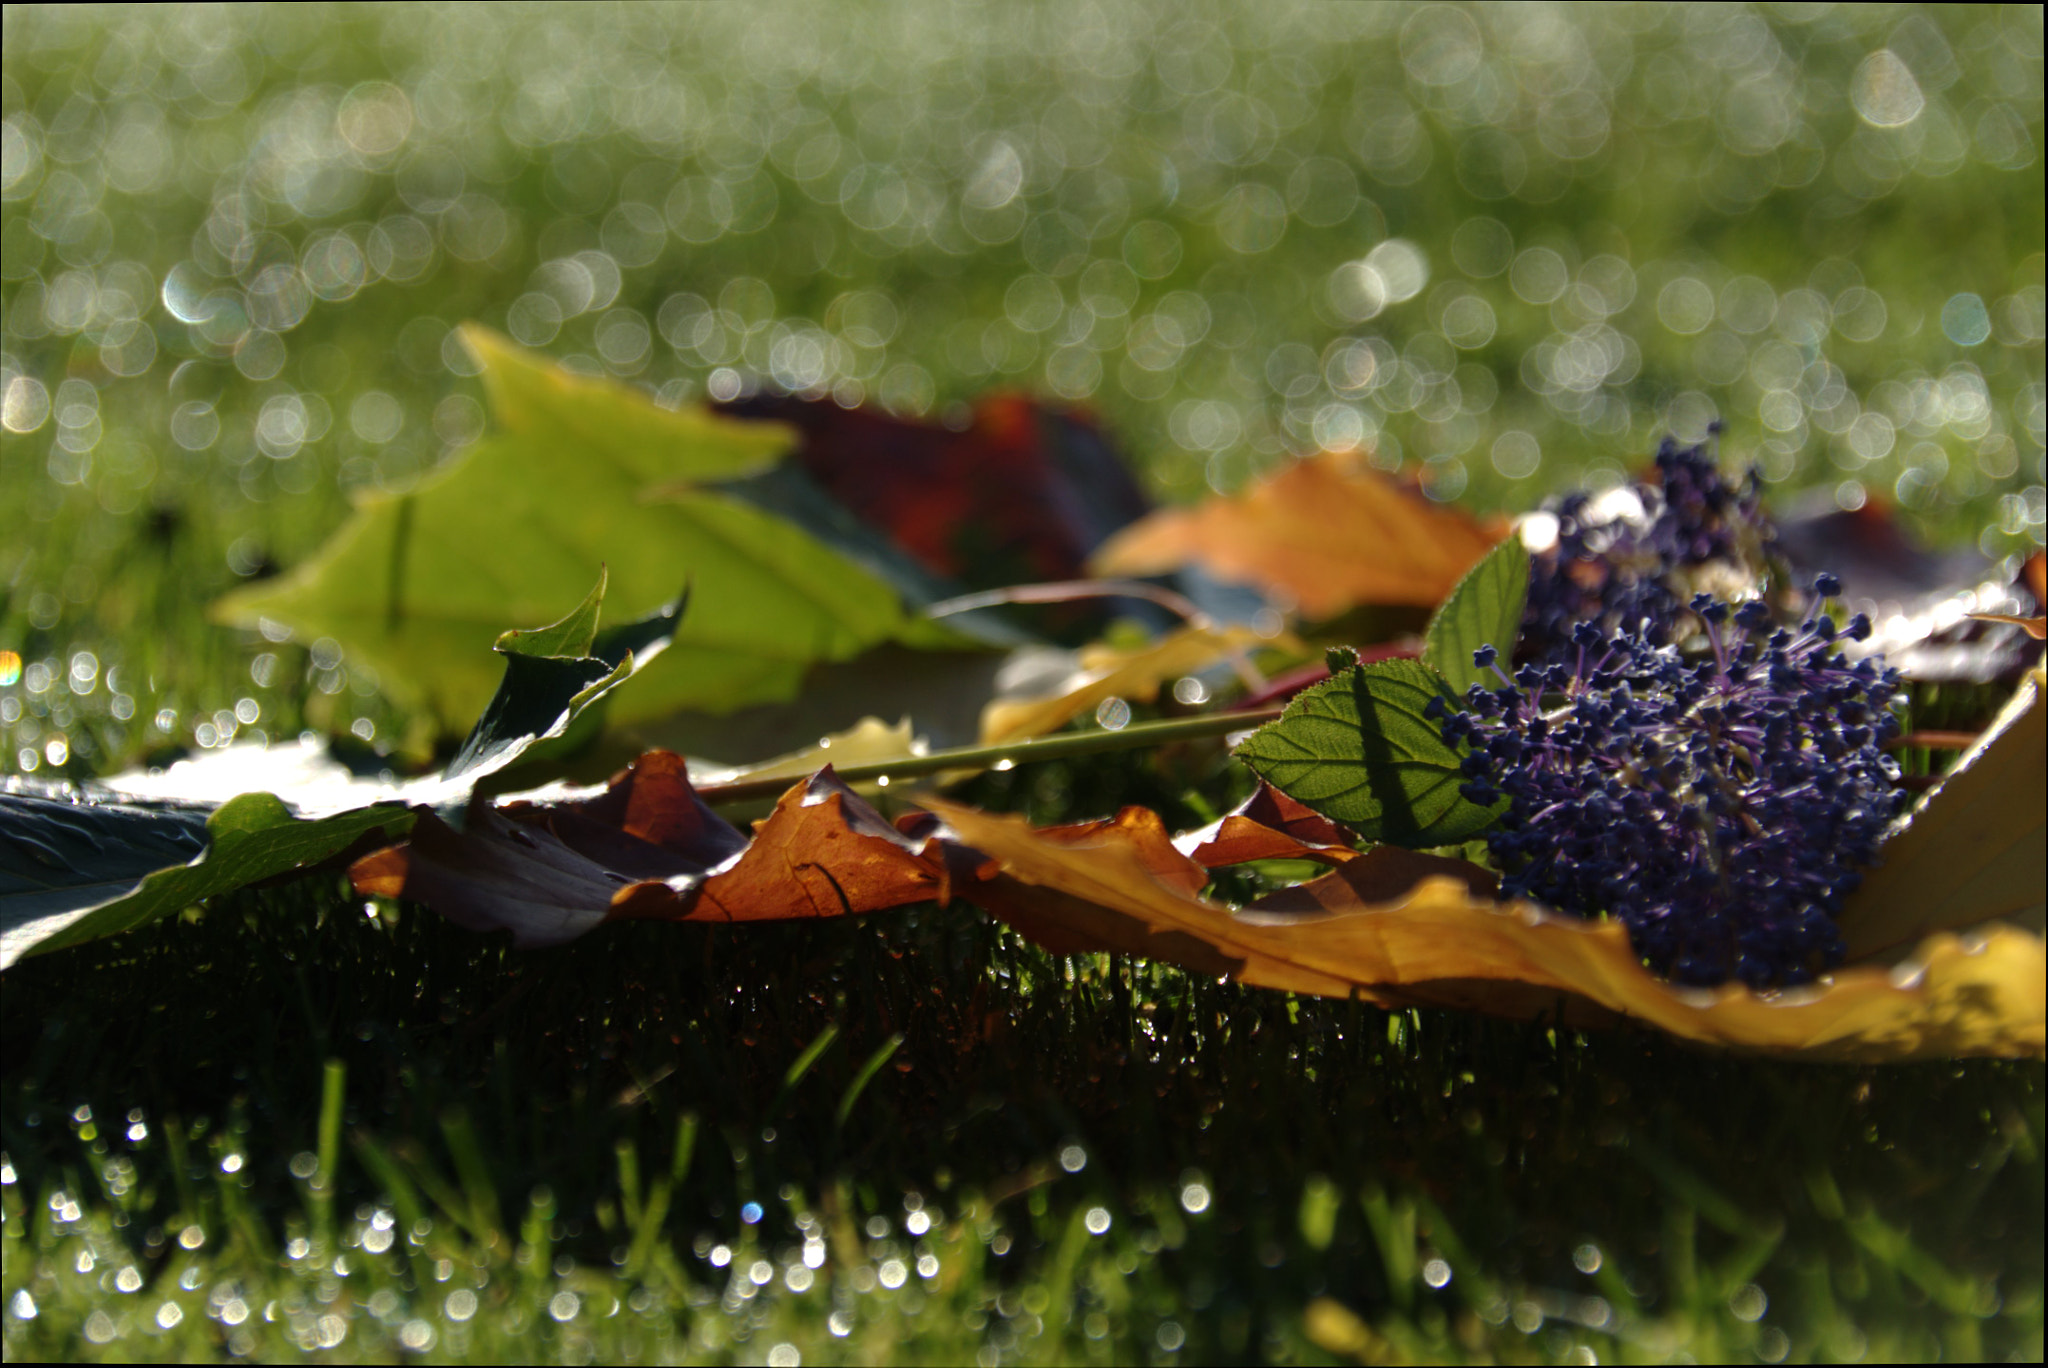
(1404,929)
(1326,533)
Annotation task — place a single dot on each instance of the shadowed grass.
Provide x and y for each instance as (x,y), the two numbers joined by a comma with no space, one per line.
(343,1122)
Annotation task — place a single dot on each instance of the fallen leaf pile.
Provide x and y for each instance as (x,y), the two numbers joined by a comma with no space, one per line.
(816,540)
(648,846)
(1389,926)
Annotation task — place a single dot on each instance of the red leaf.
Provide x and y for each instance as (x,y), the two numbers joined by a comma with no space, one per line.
(1022,493)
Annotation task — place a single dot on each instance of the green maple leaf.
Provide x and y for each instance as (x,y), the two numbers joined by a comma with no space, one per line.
(578,471)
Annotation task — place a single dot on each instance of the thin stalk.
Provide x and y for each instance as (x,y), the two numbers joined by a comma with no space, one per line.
(1017,752)
(1066,591)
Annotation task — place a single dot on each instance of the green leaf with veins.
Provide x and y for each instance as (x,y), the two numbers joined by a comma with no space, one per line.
(75,867)
(1485,609)
(250,838)
(578,471)
(1359,749)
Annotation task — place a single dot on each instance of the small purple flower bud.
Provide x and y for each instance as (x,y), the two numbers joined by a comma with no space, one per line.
(1630,565)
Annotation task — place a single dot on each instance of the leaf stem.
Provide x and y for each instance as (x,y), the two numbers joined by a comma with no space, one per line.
(394,589)
(1066,591)
(1017,752)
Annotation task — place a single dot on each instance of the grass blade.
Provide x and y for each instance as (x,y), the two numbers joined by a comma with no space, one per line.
(866,1075)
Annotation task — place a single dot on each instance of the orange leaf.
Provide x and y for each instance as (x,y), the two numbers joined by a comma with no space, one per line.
(823,852)
(1399,928)
(1269,825)
(649,848)
(1325,532)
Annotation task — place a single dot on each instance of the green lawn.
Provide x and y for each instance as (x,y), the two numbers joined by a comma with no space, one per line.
(553,1156)
(1508,246)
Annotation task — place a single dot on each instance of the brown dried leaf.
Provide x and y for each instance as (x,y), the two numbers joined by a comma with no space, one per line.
(498,875)
(653,800)
(1269,825)
(1400,928)
(1975,848)
(1326,532)
(648,847)
(823,852)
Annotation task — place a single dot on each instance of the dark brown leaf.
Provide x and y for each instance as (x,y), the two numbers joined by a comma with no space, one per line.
(1268,826)
(1021,493)
(648,847)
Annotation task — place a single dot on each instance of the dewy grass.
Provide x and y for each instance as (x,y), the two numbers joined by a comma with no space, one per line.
(298,1124)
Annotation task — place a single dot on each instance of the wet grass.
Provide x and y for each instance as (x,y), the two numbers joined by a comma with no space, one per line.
(297,1125)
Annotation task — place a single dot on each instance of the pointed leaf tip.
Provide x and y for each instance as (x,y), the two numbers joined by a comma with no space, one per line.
(545,688)
(1485,609)
(570,638)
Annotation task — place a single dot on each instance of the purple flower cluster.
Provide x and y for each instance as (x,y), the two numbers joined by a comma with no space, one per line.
(1720,808)
(1620,561)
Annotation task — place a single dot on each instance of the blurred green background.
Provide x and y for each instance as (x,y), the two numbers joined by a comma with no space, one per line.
(1511,245)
